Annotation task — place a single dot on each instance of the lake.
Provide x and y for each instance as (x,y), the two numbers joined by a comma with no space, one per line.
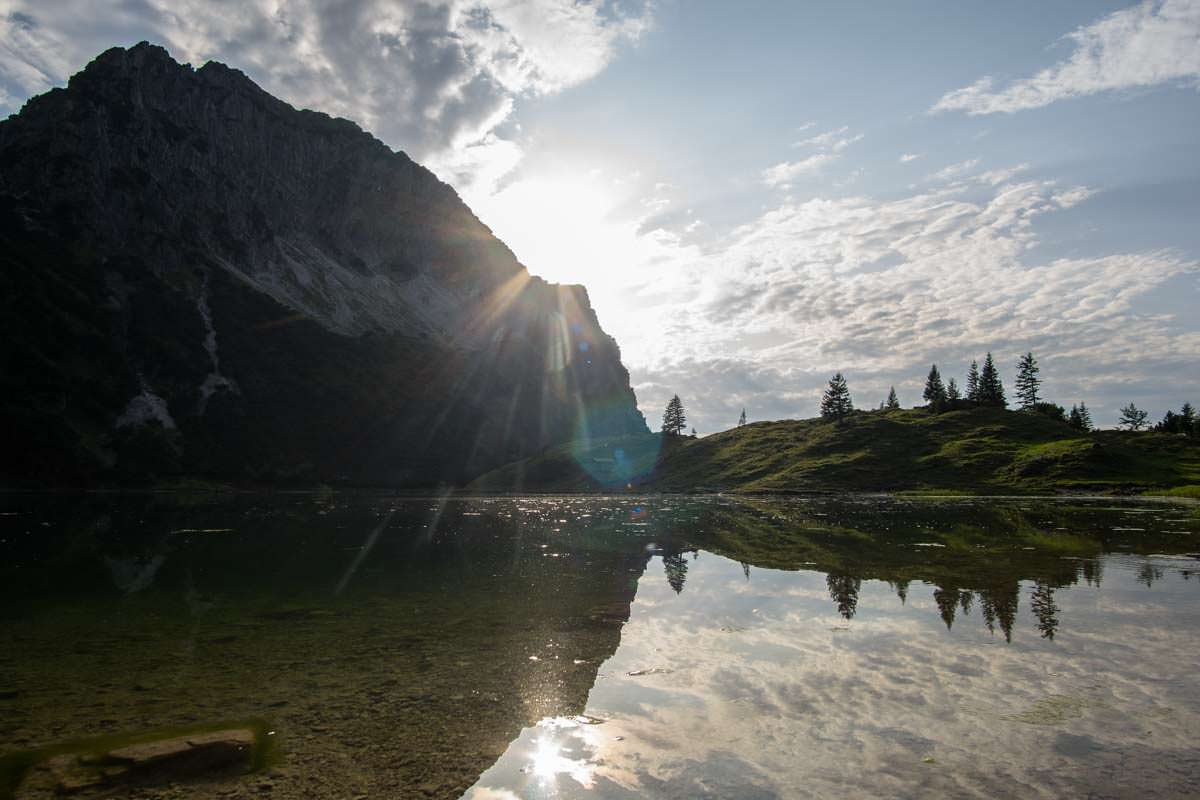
(603,647)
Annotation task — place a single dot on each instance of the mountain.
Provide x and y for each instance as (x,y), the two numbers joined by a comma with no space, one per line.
(197,279)
(974,450)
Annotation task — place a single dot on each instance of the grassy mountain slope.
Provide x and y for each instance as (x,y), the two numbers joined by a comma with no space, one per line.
(976,450)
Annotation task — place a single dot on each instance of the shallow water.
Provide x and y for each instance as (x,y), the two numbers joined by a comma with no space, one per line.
(615,647)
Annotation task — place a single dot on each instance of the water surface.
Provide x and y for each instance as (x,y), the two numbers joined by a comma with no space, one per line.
(616,647)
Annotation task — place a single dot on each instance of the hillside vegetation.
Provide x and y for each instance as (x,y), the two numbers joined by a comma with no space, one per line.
(980,450)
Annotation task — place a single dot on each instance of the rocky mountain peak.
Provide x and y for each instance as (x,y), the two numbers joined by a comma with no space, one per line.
(197,191)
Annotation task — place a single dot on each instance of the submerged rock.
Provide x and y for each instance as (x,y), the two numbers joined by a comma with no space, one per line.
(158,762)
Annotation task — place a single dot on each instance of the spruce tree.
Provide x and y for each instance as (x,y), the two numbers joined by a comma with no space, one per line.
(973,382)
(1133,417)
(1187,418)
(991,389)
(836,403)
(1085,416)
(935,390)
(674,418)
(1074,419)
(742,418)
(1028,381)
(893,402)
(952,393)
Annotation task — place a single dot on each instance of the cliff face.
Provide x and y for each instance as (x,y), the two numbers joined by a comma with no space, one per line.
(199,279)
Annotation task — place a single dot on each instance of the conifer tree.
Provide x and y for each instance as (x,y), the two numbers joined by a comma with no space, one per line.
(1028,381)
(935,390)
(1187,419)
(1085,416)
(742,418)
(952,392)
(674,418)
(836,403)
(973,382)
(1133,418)
(991,389)
(1075,419)
(893,402)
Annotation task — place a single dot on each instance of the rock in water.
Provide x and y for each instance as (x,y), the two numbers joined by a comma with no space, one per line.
(201,280)
(193,757)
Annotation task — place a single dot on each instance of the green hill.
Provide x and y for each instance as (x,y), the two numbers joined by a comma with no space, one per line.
(981,450)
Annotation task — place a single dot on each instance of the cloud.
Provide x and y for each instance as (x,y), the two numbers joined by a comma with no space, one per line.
(438,79)
(785,172)
(954,170)
(829,146)
(907,157)
(835,140)
(881,289)
(1149,44)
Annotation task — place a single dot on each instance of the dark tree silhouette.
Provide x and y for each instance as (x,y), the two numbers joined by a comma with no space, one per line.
(742,418)
(991,390)
(1028,381)
(836,403)
(1133,418)
(935,390)
(973,382)
(952,392)
(1080,418)
(674,418)
(892,403)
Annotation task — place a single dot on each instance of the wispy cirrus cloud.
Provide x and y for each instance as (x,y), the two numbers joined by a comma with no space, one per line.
(786,172)
(829,146)
(1156,42)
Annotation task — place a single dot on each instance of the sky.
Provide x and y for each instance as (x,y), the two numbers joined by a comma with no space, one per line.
(759,194)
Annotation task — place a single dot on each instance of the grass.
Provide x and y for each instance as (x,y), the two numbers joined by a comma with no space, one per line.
(913,452)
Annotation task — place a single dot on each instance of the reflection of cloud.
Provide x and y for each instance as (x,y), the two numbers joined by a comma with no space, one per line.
(792,701)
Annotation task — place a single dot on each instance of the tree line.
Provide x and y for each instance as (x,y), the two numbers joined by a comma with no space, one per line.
(984,388)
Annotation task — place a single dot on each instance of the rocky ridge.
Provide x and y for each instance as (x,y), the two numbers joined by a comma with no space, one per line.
(202,280)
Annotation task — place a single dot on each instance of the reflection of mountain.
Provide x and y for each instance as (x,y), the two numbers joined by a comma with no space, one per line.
(972,553)
(452,633)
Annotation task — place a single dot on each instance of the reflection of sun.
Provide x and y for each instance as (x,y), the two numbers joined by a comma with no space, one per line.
(548,759)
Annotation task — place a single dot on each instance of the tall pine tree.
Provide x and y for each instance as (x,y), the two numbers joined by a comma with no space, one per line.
(893,402)
(836,403)
(742,418)
(952,393)
(935,390)
(1028,381)
(973,382)
(674,418)
(991,390)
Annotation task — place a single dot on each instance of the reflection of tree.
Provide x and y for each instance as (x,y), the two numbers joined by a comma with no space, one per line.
(1044,608)
(1092,571)
(947,603)
(843,590)
(999,606)
(676,568)
(1148,574)
(746,569)
(901,588)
